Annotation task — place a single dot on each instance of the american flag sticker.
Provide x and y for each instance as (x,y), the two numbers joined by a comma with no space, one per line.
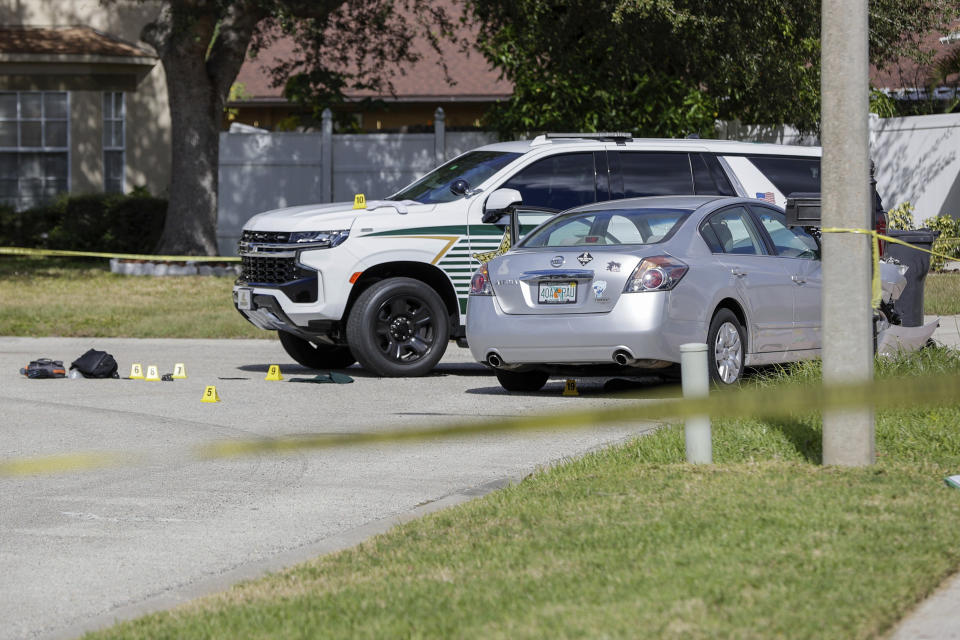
(766,197)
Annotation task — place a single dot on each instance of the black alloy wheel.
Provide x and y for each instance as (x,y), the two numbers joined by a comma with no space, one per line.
(315,356)
(399,327)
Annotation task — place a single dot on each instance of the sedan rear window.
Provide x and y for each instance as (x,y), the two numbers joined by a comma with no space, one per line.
(607,228)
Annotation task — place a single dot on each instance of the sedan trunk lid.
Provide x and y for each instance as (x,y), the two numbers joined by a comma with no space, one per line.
(560,281)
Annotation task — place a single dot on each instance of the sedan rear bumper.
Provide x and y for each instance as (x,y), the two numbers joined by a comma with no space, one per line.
(638,325)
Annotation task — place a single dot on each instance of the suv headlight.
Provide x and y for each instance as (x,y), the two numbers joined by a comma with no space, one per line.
(319,239)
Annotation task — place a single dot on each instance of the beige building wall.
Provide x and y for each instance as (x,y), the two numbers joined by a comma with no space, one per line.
(147,113)
(86,142)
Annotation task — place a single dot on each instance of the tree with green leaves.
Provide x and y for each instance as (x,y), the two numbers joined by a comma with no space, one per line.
(672,67)
(341,44)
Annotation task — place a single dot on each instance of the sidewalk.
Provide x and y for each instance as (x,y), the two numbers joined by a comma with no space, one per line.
(948,333)
(937,617)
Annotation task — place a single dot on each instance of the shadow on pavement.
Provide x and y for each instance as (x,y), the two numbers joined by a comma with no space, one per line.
(645,388)
(356,371)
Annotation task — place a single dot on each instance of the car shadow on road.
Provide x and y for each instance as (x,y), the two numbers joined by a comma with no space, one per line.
(356,371)
(644,388)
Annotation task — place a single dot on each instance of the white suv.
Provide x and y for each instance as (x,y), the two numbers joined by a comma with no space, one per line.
(387,284)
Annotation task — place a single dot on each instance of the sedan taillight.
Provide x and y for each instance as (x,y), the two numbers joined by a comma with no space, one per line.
(480,283)
(659,273)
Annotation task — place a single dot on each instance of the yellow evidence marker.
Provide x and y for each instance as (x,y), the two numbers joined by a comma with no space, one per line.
(210,394)
(153,373)
(136,371)
(359,201)
(274,373)
(570,388)
(179,372)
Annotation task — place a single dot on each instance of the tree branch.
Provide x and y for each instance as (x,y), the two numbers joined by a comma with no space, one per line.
(157,32)
(228,51)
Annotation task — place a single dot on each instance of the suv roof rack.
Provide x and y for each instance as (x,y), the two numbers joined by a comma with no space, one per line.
(619,137)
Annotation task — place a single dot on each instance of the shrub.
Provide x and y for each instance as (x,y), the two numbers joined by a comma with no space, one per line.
(27,228)
(93,222)
(136,223)
(949,241)
(901,216)
(83,225)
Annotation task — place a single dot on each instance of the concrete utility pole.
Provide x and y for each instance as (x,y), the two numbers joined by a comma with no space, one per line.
(848,436)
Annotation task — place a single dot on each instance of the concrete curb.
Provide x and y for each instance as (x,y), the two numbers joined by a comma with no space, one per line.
(936,618)
(140,268)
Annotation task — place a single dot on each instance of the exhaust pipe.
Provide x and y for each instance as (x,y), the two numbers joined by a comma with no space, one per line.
(623,357)
(494,360)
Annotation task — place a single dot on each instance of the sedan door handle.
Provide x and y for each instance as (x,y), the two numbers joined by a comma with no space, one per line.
(737,272)
(798,280)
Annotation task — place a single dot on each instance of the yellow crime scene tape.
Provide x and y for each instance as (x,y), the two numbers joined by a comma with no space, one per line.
(875,250)
(773,402)
(22,251)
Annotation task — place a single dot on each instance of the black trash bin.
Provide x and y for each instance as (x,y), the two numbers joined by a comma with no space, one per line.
(910,303)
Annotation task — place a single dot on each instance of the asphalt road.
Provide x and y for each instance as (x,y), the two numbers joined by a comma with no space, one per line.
(79,550)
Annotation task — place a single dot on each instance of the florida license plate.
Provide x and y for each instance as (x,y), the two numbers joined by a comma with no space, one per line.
(558,292)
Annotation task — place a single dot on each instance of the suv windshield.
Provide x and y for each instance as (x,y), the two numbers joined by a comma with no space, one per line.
(474,167)
(606,228)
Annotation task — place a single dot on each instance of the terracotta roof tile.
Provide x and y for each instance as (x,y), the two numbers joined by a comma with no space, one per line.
(473,77)
(76,40)
(907,74)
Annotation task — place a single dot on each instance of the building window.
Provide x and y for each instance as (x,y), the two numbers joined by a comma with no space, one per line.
(113,141)
(34,146)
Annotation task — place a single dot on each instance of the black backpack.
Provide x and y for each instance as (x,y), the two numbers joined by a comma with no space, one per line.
(96,364)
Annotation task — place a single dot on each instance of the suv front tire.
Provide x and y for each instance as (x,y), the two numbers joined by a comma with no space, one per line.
(399,327)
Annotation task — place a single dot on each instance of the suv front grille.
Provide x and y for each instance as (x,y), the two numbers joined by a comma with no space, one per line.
(268,237)
(268,270)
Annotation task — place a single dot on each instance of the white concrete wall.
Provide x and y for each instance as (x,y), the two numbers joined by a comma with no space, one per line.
(918,160)
(772,134)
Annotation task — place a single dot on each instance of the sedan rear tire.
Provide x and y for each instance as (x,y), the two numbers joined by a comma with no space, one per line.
(726,340)
(521,380)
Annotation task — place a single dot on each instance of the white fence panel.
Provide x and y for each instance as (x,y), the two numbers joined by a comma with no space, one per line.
(263,171)
(378,165)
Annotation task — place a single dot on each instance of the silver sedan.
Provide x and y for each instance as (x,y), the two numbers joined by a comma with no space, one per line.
(615,288)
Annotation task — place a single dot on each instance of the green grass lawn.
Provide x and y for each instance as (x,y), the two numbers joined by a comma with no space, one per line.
(63,297)
(631,542)
(941,295)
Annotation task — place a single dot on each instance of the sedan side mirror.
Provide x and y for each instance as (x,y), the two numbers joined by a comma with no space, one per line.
(499,203)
